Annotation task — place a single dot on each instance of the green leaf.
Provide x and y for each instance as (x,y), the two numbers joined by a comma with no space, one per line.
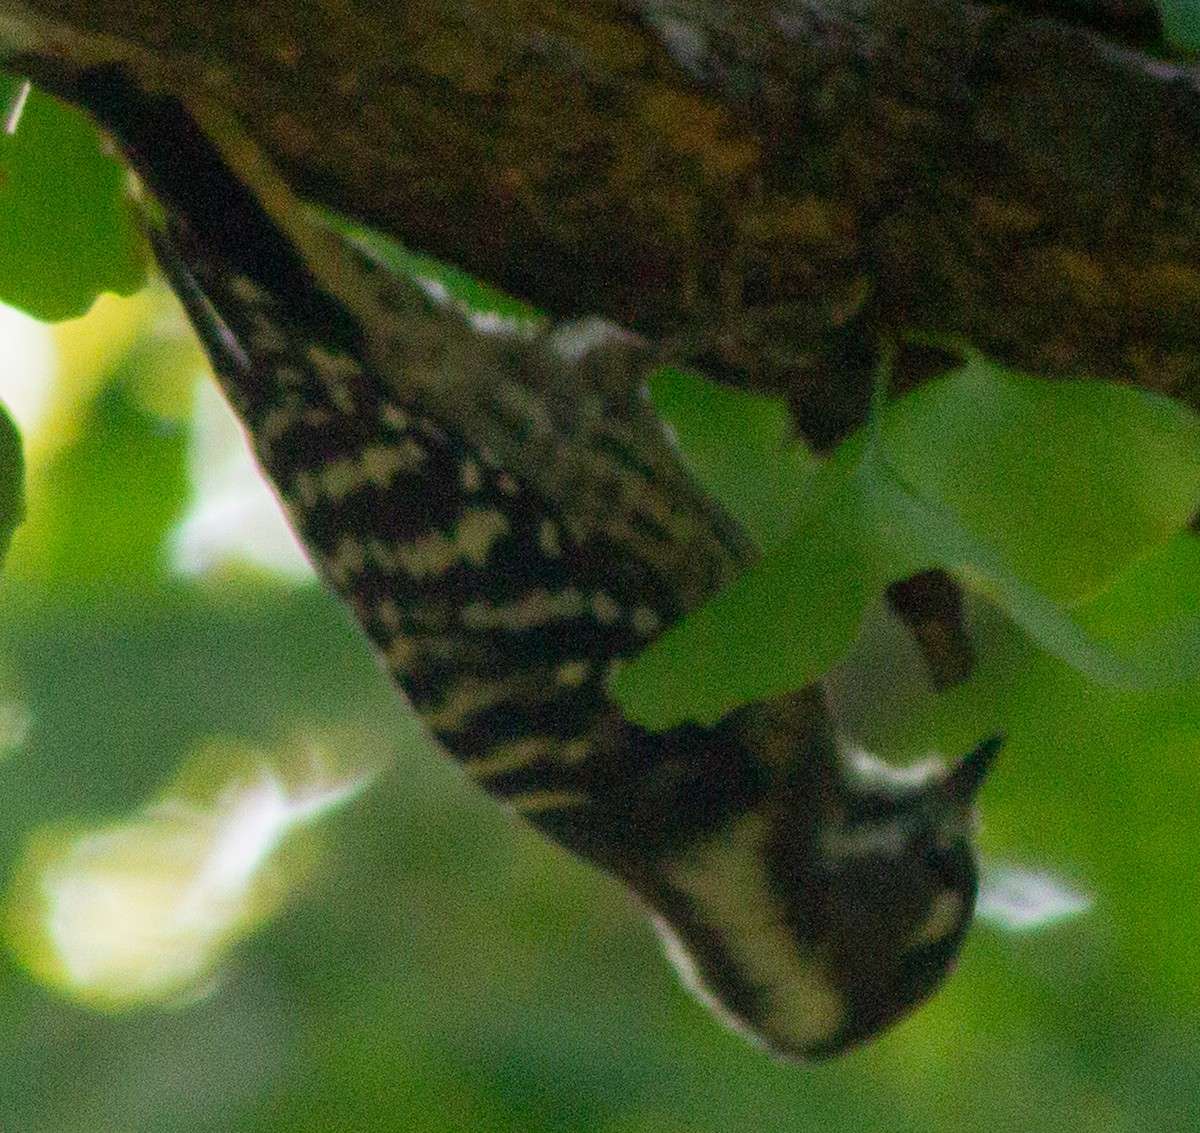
(1066,481)
(1149,616)
(1101,656)
(767,631)
(790,618)
(1060,500)
(66,233)
(740,447)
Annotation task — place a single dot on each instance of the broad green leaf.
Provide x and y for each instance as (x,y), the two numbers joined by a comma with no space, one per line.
(66,233)
(788,620)
(1067,482)
(1089,641)
(740,447)
(764,633)
(1044,494)
(1149,615)
(1040,494)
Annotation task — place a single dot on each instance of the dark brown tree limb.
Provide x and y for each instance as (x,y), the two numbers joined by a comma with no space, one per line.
(769,187)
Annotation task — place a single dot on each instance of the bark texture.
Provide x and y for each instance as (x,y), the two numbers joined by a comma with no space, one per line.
(766,188)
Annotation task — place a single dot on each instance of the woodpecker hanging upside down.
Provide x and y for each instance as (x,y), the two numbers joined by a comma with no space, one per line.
(508,522)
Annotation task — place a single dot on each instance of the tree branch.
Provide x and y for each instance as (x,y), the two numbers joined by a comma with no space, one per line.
(769,187)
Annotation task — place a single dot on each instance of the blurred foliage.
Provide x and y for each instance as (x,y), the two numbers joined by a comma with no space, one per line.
(432,965)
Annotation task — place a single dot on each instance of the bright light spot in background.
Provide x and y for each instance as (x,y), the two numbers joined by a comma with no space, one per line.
(145,910)
(50,372)
(234,516)
(28,364)
(1020,900)
(14,725)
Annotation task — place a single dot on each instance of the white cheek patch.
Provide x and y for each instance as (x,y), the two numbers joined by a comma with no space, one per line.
(689,975)
(746,931)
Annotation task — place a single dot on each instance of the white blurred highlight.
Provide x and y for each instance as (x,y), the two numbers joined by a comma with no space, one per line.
(1022,900)
(234,517)
(145,910)
(16,108)
(28,365)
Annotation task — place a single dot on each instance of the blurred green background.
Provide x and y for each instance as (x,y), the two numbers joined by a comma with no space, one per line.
(413,958)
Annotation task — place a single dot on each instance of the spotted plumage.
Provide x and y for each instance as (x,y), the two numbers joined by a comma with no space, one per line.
(507,521)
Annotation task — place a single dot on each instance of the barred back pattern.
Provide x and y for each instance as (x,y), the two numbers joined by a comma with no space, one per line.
(499,622)
(507,521)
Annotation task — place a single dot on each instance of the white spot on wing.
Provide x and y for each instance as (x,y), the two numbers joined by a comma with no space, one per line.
(245,289)
(394,416)
(548,539)
(336,371)
(389,614)
(537,801)
(376,464)
(347,561)
(306,489)
(576,339)
(605,608)
(572,673)
(517,754)
(400,653)
(466,699)
(511,757)
(266,338)
(646,622)
(470,477)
